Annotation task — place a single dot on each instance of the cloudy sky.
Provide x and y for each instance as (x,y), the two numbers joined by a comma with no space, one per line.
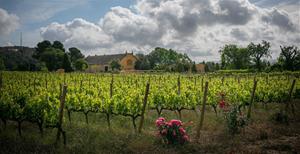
(196,27)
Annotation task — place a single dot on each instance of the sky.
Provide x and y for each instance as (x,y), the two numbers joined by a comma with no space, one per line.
(199,28)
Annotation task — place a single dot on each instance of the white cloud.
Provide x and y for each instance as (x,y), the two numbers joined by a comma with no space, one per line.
(125,26)
(8,22)
(280,19)
(197,27)
(78,32)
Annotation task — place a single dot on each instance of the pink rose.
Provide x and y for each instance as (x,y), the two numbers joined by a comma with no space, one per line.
(160,121)
(182,131)
(161,118)
(176,122)
(222,104)
(185,138)
(169,124)
(164,132)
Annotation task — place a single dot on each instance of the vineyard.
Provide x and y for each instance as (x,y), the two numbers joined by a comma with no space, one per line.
(52,100)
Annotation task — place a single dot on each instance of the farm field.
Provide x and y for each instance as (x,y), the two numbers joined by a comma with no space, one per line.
(102,112)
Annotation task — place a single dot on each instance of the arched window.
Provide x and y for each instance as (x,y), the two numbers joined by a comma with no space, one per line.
(129,62)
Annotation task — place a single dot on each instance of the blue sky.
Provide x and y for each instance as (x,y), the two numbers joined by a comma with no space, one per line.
(196,27)
(34,14)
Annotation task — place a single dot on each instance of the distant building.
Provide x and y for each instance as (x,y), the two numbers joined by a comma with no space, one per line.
(200,68)
(25,51)
(102,63)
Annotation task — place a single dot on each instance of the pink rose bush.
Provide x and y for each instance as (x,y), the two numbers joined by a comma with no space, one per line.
(223,105)
(171,132)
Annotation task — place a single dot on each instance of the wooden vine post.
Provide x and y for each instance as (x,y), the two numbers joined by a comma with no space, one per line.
(111,95)
(195,83)
(178,85)
(144,107)
(200,124)
(1,80)
(46,81)
(202,87)
(290,98)
(179,92)
(223,80)
(252,98)
(81,85)
(61,114)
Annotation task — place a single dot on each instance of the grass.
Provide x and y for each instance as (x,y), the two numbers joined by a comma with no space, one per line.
(260,136)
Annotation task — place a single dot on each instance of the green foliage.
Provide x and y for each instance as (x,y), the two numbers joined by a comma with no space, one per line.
(235,120)
(43,67)
(289,58)
(35,96)
(75,54)
(58,45)
(114,64)
(232,71)
(259,51)
(67,63)
(211,66)
(80,64)
(52,55)
(2,65)
(194,67)
(41,47)
(142,63)
(233,57)
(77,59)
(53,58)
(18,61)
(169,60)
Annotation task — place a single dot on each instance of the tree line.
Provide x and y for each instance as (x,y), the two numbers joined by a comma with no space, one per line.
(254,57)
(47,56)
(52,56)
(166,60)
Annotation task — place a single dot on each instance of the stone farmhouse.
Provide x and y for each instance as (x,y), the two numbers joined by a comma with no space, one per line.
(102,63)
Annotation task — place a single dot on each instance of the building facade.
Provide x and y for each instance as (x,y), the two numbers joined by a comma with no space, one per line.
(200,68)
(103,63)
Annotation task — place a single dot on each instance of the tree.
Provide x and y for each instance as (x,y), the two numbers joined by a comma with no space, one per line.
(258,51)
(163,59)
(289,58)
(217,66)
(18,61)
(233,57)
(2,66)
(53,58)
(194,69)
(80,64)
(77,59)
(114,64)
(75,54)
(41,47)
(58,45)
(67,66)
(142,62)
(211,66)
